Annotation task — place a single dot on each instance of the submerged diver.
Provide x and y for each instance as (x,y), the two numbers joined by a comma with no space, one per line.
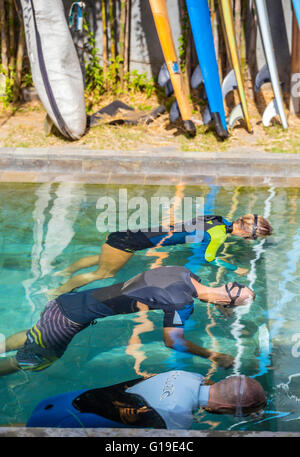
(120,247)
(166,400)
(170,289)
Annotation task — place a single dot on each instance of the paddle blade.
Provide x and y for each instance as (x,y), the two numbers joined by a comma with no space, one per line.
(229,83)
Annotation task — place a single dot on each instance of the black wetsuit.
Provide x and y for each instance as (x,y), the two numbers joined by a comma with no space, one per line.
(169,289)
(210,236)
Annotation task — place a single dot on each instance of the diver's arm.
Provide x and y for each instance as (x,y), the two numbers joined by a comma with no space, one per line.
(174,338)
(229,266)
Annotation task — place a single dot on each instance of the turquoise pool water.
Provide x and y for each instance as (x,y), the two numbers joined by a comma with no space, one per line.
(44,227)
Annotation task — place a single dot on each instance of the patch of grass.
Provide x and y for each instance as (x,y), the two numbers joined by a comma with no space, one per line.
(24,128)
(205,140)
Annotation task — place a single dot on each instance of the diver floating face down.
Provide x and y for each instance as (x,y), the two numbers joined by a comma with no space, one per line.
(236,395)
(226,297)
(251,227)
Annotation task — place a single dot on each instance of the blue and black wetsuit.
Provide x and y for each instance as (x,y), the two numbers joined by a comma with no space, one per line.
(213,234)
(166,400)
(169,289)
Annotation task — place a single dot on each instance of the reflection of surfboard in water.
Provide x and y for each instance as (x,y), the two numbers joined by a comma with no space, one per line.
(234,78)
(270,72)
(55,66)
(296,5)
(163,28)
(203,37)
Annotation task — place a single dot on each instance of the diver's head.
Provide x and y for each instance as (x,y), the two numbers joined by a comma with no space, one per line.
(251,227)
(235,294)
(237,395)
(229,295)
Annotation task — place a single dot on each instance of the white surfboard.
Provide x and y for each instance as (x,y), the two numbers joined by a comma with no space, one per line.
(55,66)
(275,107)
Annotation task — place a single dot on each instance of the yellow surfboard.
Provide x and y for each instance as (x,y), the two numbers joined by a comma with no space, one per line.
(227,22)
(163,28)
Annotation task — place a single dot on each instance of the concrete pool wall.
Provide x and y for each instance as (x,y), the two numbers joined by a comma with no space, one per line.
(159,166)
(155,166)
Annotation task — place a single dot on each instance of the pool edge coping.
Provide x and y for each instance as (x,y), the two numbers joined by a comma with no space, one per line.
(135,433)
(245,167)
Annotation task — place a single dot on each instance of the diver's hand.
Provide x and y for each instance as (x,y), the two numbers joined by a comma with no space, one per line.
(241,271)
(224,360)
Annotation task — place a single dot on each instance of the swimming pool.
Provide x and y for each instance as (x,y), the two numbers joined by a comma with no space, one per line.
(44,227)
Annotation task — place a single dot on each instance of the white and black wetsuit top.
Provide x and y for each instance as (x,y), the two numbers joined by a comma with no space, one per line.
(166,400)
(174,395)
(169,289)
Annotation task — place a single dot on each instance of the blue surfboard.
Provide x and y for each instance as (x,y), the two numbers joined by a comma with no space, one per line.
(199,16)
(96,408)
(59,411)
(296,5)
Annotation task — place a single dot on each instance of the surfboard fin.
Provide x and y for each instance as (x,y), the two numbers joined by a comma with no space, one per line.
(262,77)
(221,132)
(270,112)
(229,83)
(174,112)
(236,115)
(197,77)
(206,117)
(164,80)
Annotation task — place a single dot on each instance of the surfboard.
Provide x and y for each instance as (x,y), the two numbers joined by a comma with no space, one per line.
(275,107)
(164,31)
(234,78)
(200,21)
(55,66)
(59,411)
(295,65)
(296,5)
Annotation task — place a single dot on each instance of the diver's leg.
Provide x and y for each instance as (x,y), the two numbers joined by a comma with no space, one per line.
(84,262)
(14,342)
(110,262)
(8,366)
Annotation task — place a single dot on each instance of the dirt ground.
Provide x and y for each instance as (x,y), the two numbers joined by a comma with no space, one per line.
(24,128)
